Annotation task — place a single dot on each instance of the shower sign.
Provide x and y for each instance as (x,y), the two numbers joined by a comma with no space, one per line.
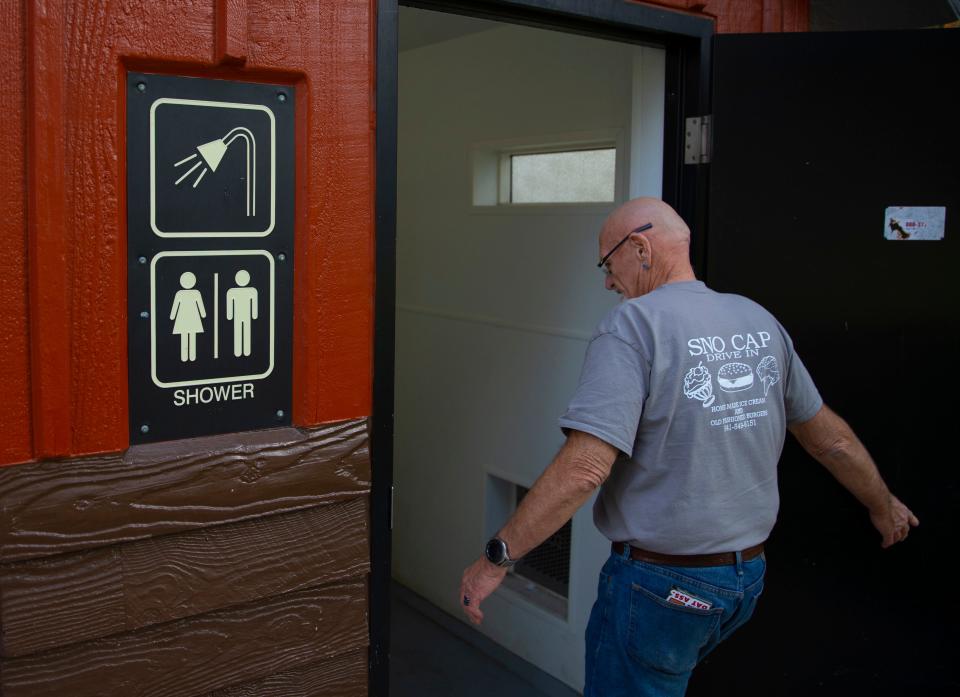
(212,168)
(210,181)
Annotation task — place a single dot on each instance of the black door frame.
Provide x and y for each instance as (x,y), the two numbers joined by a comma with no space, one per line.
(687,40)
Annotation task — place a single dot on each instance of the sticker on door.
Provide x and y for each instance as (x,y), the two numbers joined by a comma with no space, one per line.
(914,223)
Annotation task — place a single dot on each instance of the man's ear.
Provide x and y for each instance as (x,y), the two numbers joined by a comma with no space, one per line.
(643,247)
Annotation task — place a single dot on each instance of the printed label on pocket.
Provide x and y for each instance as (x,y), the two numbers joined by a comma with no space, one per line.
(679,597)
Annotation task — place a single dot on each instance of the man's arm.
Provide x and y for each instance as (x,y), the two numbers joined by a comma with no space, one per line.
(583,464)
(834,445)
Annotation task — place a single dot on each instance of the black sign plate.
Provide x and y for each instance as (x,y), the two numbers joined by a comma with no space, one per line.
(210,187)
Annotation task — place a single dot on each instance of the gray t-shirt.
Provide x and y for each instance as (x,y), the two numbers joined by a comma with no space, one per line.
(695,388)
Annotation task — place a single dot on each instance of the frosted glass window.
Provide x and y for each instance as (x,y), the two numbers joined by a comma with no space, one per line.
(563,177)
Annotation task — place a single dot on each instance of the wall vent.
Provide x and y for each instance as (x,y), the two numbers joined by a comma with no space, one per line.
(542,577)
(549,564)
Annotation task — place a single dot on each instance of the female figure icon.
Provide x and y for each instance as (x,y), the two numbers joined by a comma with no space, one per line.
(188,314)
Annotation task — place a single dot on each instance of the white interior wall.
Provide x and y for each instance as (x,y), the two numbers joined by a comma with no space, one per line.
(495,305)
(646,122)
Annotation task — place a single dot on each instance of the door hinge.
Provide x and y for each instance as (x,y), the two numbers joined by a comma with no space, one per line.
(393,492)
(698,140)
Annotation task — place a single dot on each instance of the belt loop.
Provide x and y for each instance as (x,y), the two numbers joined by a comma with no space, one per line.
(739,563)
(625,550)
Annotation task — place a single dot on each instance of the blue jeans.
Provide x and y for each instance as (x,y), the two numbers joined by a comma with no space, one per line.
(641,645)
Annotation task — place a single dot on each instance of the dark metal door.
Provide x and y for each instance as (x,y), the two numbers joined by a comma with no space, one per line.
(815,137)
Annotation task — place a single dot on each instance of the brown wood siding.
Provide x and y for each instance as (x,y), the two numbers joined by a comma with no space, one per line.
(150,490)
(209,566)
(199,654)
(337,677)
(135,585)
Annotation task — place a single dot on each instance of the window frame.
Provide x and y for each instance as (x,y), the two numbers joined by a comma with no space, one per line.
(507,173)
(491,171)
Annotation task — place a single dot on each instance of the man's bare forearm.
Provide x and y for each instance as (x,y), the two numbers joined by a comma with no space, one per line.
(831,441)
(853,467)
(581,466)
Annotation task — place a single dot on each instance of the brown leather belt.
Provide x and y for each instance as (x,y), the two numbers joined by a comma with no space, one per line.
(718,559)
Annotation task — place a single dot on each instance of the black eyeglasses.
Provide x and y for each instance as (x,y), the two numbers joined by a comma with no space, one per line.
(617,245)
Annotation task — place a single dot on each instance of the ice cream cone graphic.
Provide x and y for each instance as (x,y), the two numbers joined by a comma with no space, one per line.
(699,385)
(768,372)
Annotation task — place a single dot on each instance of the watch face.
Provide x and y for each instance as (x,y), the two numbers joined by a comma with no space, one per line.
(496,551)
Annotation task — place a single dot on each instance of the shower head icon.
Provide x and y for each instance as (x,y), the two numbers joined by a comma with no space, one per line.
(209,155)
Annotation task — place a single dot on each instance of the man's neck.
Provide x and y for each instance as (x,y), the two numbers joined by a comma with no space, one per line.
(675,275)
(681,275)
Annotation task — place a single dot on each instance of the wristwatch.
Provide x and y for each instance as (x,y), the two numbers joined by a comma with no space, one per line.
(497,553)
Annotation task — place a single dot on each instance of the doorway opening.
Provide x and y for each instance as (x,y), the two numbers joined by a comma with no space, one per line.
(514,143)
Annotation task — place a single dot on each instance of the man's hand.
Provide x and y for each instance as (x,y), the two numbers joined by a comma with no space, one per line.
(582,464)
(480,579)
(893,521)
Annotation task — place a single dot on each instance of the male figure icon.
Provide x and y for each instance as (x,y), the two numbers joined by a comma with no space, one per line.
(242,309)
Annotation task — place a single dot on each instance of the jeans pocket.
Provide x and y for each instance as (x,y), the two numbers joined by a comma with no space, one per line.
(665,636)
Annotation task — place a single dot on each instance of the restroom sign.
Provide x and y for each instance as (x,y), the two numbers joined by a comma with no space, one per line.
(211,319)
(210,195)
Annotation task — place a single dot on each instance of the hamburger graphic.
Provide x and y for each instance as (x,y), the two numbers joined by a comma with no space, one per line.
(735,377)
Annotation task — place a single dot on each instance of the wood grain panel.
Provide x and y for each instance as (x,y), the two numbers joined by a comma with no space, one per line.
(796,15)
(201,654)
(231,24)
(56,601)
(16,441)
(93,334)
(60,600)
(343,676)
(745,16)
(773,12)
(736,16)
(55,507)
(334,283)
(49,235)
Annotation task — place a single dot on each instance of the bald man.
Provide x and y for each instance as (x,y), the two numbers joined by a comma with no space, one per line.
(679,418)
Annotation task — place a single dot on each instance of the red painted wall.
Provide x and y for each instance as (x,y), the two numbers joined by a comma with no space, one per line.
(15,432)
(747,16)
(63,208)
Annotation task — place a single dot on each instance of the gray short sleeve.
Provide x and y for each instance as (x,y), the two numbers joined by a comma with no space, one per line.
(609,399)
(801,398)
